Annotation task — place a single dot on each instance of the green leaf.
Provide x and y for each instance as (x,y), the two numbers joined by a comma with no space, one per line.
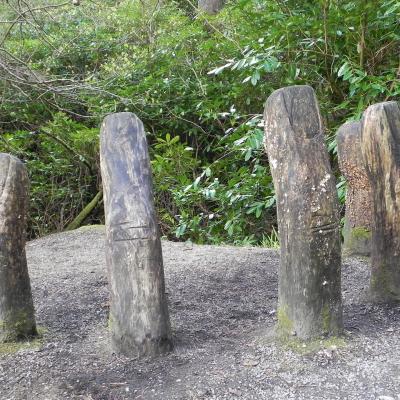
(248,155)
(343,69)
(255,77)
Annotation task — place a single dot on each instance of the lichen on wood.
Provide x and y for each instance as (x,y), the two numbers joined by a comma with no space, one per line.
(138,310)
(380,139)
(308,217)
(357,227)
(17,317)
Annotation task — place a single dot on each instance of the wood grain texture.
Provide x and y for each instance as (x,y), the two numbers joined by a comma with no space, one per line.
(139,318)
(310,302)
(380,140)
(357,227)
(17,316)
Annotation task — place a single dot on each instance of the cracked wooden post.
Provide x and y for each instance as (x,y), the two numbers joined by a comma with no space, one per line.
(17,315)
(139,320)
(380,142)
(309,298)
(357,227)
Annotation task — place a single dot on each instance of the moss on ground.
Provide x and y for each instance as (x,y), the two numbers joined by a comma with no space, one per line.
(8,348)
(17,325)
(312,346)
(360,233)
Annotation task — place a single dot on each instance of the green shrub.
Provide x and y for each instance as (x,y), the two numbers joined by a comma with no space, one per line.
(199,84)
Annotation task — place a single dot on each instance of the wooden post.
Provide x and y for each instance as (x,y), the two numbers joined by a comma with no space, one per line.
(210,6)
(310,302)
(380,140)
(17,316)
(139,320)
(357,227)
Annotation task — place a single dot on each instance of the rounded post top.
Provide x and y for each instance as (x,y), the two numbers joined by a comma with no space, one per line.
(125,115)
(380,137)
(293,90)
(349,129)
(387,110)
(123,125)
(121,120)
(294,108)
(348,138)
(10,158)
(383,105)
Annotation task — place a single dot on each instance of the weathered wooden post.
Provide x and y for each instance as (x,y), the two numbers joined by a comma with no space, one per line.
(310,302)
(139,318)
(17,315)
(380,140)
(357,227)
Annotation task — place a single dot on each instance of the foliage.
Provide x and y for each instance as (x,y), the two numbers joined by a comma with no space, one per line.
(198,83)
(62,179)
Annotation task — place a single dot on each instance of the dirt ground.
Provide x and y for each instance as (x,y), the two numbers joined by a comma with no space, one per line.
(222,305)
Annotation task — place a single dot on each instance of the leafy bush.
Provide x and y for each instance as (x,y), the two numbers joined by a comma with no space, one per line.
(199,84)
(62,162)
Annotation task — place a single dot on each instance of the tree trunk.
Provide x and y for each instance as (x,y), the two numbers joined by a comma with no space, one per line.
(357,227)
(78,220)
(17,316)
(380,140)
(210,6)
(139,318)
(309,298)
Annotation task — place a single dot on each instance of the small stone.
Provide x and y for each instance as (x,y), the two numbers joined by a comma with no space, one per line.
(235,392)
(250,362)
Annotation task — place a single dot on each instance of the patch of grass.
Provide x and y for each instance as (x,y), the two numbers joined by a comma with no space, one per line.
(312,346)
(9,348)
(272,240)
(360,233)
(13,347)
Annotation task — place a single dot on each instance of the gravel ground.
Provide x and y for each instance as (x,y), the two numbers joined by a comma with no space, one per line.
(222,305)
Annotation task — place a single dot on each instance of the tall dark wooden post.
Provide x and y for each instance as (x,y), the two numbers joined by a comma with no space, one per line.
(357,227)
(17,316)
(380,139)
(139,318)
(310,302)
